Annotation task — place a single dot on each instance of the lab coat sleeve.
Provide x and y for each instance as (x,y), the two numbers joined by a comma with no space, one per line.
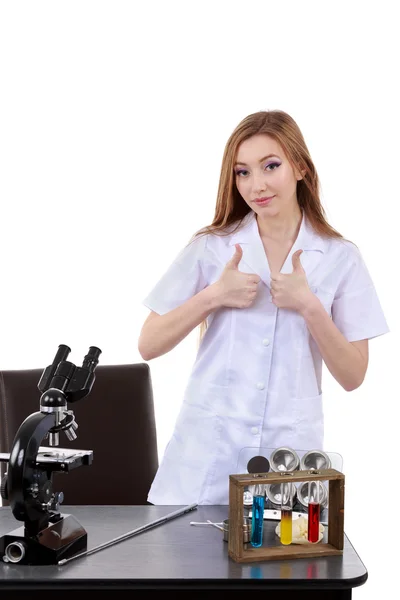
(356,309)
(182,280)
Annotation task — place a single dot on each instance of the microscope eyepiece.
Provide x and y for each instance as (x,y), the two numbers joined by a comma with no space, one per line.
(45,381)
(91,359)
(62,354)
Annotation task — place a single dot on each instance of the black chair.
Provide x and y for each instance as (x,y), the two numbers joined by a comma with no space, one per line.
(116,420)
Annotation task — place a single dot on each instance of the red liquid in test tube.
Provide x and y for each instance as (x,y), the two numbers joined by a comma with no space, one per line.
(313,511)
(313,522)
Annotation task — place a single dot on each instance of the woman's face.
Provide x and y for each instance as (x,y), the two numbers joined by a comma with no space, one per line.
(264,177)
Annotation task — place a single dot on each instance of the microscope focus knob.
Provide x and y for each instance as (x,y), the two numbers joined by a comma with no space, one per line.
(45,492)
(4,488)
(58,498)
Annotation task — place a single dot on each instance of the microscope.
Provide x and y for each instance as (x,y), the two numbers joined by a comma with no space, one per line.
(47,536)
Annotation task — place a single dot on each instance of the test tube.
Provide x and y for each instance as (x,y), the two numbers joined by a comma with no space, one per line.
(313,511)
(257,515)
(286,513)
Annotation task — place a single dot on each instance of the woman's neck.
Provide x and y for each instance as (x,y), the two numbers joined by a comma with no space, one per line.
(280,228)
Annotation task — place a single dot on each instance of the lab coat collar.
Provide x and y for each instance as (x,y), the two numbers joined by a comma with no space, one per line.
(254,256)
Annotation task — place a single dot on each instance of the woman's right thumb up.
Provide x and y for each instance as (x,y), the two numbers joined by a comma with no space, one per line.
(236,258)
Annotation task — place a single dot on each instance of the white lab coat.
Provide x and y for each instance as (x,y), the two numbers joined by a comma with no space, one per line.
(256,380)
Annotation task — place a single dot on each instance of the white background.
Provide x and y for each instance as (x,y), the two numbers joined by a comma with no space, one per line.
(114,116)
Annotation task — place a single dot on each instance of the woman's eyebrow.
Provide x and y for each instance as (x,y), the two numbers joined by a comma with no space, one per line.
(261,159)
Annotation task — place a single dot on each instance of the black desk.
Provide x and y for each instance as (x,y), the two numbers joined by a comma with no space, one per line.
(173,556)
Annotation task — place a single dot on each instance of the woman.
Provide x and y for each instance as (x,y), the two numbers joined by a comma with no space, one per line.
(276,290)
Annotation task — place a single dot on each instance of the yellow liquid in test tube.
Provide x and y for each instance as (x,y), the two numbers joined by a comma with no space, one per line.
(286,527)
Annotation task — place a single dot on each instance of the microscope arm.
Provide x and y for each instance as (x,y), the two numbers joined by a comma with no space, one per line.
(22,469)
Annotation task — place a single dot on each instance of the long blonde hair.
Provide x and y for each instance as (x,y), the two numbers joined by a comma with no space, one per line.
(230,207)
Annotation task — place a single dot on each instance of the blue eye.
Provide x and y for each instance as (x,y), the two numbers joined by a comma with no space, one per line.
(274,165)
(240,172)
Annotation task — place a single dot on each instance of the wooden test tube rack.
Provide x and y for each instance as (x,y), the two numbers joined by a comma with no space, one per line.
(237,550)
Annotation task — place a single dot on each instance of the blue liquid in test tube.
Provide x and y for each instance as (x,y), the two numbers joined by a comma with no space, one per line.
(257,517)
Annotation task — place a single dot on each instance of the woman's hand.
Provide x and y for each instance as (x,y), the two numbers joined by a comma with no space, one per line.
(234,288)
(291,290)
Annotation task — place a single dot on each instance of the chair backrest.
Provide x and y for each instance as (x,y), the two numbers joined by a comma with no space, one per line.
(116,420)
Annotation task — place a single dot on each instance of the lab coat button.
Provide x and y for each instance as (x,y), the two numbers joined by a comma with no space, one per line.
(254,430)
(260,385)
(266,342)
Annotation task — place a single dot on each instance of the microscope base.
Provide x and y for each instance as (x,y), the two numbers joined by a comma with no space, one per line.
(59,540)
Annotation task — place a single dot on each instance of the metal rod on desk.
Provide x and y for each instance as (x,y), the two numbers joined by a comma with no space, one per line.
(125,536)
